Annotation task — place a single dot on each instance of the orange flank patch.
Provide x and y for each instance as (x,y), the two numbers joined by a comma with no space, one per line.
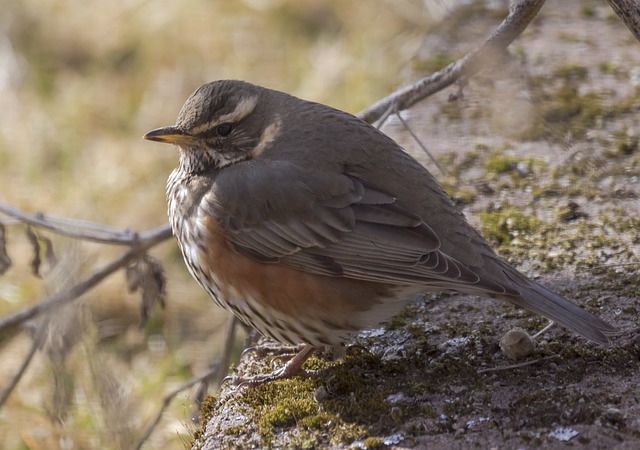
(289,291)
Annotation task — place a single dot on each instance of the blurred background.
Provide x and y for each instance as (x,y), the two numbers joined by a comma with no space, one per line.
(80,83)
(542,152)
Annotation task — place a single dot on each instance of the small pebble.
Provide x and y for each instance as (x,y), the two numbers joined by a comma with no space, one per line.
(320,394)
(517,344)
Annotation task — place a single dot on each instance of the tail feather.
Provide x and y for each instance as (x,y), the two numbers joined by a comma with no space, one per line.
(540,300)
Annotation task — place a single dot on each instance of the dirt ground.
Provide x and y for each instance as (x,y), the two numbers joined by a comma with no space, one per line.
(542,154)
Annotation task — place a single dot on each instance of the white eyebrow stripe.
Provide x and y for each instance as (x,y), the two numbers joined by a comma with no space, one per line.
(267,137)
(242,110)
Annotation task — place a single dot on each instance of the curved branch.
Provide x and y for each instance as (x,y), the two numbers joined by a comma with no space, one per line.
(143,242)
(74,228)
(166,400)
(518,19)
(629,12)
(38,338)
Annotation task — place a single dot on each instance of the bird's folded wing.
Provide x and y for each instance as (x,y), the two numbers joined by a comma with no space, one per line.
(335,225)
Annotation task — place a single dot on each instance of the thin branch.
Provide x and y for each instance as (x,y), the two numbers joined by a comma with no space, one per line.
(143,243)
(483,56)
(608,266)
(391,110)
(74,228)
(38,338)
(5,260)
(169,397)
(225,358)
(222,362)
(629,12)
(517,366)
(140,243)
(544,330)
(422,146)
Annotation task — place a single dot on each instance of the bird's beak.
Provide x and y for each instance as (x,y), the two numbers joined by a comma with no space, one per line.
(169,135)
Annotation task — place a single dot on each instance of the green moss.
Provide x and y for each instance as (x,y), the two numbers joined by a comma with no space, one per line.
(319,421)
(456,407)
(575,38)
(483,327)
(354,408)
(627,105)
(587,11)
(500,163)
(235,430)
(607,67)
(531,323)
(628,146)
(289,415)
(504,225)
(625,144)
(518,53)
(521,171)
(280,403)
(562,110)
(373,443)
(569,111)
(571,72)
(569,212)
(207,410)
(451,110)
(464,197)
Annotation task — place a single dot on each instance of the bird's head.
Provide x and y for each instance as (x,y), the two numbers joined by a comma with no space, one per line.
(221,123)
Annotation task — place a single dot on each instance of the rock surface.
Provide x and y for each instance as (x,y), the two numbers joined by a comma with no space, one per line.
(542,153)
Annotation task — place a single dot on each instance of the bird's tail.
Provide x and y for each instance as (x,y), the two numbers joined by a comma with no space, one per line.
(540,300)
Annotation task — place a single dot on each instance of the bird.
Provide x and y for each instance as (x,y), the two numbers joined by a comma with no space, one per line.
(311,225)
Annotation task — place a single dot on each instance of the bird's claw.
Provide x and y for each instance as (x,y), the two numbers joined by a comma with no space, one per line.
(283,373)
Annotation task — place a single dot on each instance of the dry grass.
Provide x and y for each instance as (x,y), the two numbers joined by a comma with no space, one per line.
(80,82)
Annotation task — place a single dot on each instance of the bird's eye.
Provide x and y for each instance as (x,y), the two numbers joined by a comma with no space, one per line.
(224,129)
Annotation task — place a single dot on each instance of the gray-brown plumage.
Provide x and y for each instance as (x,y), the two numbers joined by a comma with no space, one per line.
(310,224)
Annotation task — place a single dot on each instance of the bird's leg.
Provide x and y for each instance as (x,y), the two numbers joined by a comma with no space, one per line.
(293,368)
(544,330)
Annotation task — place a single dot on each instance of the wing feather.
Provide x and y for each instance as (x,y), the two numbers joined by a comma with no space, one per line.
(338,225)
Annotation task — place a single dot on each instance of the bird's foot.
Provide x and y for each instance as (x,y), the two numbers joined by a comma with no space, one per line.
(293,368)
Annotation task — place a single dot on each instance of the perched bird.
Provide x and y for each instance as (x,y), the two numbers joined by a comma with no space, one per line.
(310,225)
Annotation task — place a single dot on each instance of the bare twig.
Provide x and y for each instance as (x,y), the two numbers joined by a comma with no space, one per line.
(144,242)
(383,119)
(629,12)
(225,358)
(5,261)
(422,146)
(140,243)
(169,397)
(518,19)
(73,228)
(223,362)
(544,330)
(608,266)
(517,366)
(38,338)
